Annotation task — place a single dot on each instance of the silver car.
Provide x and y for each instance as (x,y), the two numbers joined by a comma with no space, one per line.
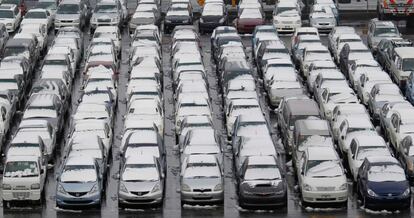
(201,180)
(107,13)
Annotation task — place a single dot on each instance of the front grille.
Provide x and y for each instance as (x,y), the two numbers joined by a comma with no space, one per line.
(140,193)
(20,187)
(77,194)
(264,185)
(324,24)
(78,202)
(104,20)
(66,21)
(139,200)
(325,188)
(325,199)
(201,190)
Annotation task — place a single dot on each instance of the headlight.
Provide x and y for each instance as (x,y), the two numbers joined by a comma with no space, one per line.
(122,188)
(9,24)
(307,187)
(298,21)
(35,186)
(247,192)
(406,192)
(94,189)
(221,20)
(156,188)
(372,193)
(185,188)
(343,187)
(114,19)
(218,187)
(6,187)
(60,189)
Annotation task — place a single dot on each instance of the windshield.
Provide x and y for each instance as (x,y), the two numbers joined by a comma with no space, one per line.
(21,169)
(106,9)
(14,51)
(55,62)
(78,174)
(6,14)
(391,31)
(262,172)
(15,2)
(279,10)
(323,168)
(51,5)
(408,64)
(68,9)
(140,173)
(386,172)
(36,15)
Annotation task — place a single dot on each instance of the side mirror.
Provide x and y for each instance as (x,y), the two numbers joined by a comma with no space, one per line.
(42,171)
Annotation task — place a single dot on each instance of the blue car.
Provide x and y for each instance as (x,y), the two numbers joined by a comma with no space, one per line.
(79,183)
(409,88)
(382,184)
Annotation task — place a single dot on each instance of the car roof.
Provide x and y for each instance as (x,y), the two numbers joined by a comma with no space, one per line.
(143,136)
(370,140)
(405,52)
(262,160)
(140,159)
(312,124)
(22,158)
(297,106)
(201,158)
(381,159)
(79,160)
(358,121)
(321,153)
(7,6)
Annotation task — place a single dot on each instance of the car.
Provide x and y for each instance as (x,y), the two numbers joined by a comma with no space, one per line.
(317,77)
(26,172)
(142,180)
(93,127)
(10,16)
(342,111)
(313,53)
(350,52)
(111,32)
(147,15)
(378,30)
(107,13)
(382,183)
(72,43)
(350,127)
(385,50)
(322,18)
(38,30)
(71,13)
(201,180)
(286,17)
(343,39)
(253,182)
(363,146)
(310,127)
(368,80)
(248,19)
(212,16)
(303,31)
(192,122)
(178,14)
(400,125)
(80,183)
(311,141)
(291,111)
(358,67)
(402,64)
(38,15)
(335,33)
(318,185)
(281,89)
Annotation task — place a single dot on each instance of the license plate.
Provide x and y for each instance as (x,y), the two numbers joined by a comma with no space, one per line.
(21,195)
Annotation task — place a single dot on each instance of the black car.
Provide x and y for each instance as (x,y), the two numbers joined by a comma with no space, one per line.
(382,184)
(178,14)
(213,15)
(385,50)
(261,183)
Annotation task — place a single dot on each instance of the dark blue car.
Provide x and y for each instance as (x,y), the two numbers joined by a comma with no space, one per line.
(382,184)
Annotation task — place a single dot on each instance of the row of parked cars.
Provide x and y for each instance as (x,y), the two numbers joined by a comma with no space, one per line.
(33,144)
(142,151)
(351,92)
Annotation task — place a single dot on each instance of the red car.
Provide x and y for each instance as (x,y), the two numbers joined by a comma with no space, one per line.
(248,19)
(20,3)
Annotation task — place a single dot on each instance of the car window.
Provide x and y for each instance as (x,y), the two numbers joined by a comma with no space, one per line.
(353,147)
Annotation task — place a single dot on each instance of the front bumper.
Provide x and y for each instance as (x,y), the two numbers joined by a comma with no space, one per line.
(132,199)
(71,201)
(59,25)
(284,27)
(94,25)
(387,202)
(323,28)
(22,195)
(261,200)
(213,197)
(325,196)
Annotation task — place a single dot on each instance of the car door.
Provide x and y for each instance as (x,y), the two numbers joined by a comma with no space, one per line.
(394,127)
(352,157)
(301,170)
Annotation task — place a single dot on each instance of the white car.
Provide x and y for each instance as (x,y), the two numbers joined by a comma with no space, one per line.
(111,32)
(321,177)
(322,17)
(37,29)
(10,16)
(363,146)
(38,15)
(286,16)
(351,127)
(23,179)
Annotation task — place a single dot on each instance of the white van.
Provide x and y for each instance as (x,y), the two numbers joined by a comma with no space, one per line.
(23,179)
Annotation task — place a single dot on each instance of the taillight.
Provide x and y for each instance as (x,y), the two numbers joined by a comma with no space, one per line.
(385,4)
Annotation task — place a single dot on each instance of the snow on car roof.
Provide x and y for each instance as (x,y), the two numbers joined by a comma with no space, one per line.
(200,158)
(79,160)
(382,159)
(322,153)
(357,121)
(370,140)
(143,136)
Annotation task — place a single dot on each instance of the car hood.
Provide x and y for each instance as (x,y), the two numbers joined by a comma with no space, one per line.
(6,20)
(247,21)
(67,16)
(104,16)
(391,187)
(333,182)
(202,183)
(140,186)
(78,187)
(262,185)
